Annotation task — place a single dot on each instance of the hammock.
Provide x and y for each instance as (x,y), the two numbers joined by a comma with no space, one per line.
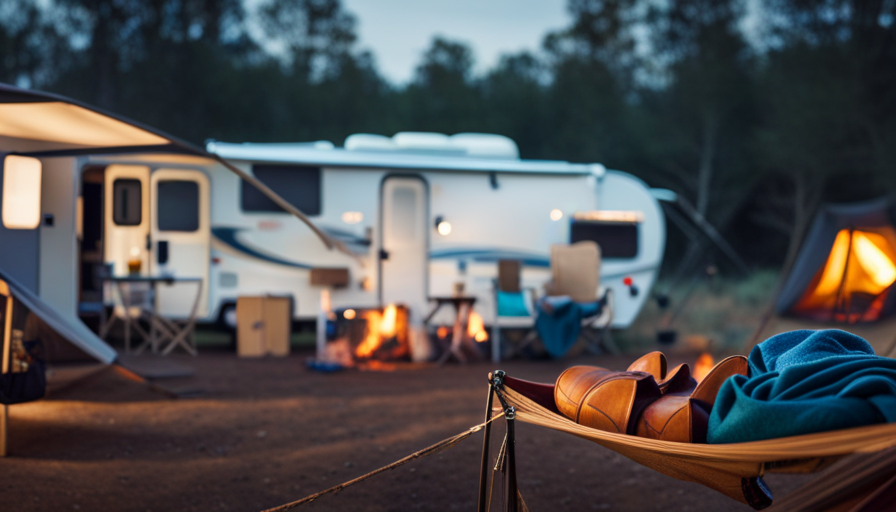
(734,470)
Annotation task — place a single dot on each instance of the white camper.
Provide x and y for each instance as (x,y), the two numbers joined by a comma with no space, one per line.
(419,213)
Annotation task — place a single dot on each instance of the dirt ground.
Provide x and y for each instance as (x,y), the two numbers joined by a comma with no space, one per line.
(266,432)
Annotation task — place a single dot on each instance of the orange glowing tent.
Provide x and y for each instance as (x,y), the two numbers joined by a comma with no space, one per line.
(844,275)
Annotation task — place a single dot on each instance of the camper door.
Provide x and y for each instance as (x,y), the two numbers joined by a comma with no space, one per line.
(404,242)
(126,238)
(180,234)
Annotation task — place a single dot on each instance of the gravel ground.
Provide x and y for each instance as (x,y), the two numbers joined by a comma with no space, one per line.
(266,432)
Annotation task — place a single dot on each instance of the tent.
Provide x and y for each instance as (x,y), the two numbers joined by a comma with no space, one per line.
(843,276)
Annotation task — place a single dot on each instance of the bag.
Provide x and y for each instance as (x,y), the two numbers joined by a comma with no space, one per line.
(26,380)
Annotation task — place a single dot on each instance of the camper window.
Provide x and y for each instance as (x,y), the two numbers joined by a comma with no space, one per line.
(127,206)
(178,205)
(298,185)
(616,239)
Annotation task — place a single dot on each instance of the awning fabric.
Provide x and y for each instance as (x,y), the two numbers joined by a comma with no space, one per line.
(68,125)
(73,330)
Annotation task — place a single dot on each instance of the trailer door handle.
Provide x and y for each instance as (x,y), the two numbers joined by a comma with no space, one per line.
(384,254)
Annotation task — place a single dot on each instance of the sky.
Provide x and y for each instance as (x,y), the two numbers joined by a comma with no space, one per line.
(399,31)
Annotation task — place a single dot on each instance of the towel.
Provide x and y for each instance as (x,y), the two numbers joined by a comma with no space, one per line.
(559,329)
(802,382)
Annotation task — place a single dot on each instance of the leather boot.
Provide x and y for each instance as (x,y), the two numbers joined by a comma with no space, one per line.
(645,400)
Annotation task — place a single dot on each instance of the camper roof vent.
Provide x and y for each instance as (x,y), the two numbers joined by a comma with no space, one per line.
(369,142)
(211,145)
(487,145)
(482,145)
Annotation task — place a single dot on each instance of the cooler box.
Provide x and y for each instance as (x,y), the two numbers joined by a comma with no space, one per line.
(263,326)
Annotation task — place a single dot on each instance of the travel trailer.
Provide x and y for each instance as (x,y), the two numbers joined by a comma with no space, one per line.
(420,214)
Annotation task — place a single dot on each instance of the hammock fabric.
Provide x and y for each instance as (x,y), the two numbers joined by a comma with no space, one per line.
(734,470)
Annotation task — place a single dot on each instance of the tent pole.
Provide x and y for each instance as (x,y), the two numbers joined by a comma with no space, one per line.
(483,468)
(843,280)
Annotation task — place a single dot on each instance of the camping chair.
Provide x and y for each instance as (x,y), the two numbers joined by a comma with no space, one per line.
(575,272)
(514,306)
(130,307)
(734,469)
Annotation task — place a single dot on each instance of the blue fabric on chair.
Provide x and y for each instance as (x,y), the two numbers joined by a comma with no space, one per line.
(802,382)
(560,329)
(512,304)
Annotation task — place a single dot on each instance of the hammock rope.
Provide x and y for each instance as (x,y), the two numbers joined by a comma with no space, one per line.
(430,450)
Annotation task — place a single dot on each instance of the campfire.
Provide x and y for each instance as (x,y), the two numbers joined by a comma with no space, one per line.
(476,328)
(702,367)
(369,335)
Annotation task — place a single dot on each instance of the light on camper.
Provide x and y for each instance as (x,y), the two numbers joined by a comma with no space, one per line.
(352,217)
(556,214)
(21,192)
(349,314)
(443,226)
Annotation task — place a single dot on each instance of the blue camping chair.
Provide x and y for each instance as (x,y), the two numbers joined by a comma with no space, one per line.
(514,307)
(576,305)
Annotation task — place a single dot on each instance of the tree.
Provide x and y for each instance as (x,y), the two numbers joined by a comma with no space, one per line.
(443,95)
(703,114)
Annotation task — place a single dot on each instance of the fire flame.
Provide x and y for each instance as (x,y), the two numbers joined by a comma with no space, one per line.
(702,367)
(476,328)
(379,328)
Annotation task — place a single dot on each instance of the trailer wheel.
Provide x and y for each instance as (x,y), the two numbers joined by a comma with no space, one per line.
(227,317)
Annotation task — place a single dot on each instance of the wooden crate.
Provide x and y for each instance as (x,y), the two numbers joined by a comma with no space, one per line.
(263,326)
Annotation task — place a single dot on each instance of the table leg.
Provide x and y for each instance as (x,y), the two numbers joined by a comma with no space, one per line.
(153,313)
(126,301)
(457,335)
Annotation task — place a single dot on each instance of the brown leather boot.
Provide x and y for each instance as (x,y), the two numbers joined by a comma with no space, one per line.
(682,413)
(645,400)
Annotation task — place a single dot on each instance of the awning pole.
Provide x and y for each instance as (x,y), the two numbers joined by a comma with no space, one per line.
(4,367)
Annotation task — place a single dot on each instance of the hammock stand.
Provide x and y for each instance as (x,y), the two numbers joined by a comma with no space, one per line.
(734,470)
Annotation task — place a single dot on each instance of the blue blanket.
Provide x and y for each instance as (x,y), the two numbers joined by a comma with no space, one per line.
(802,382)
(559,329)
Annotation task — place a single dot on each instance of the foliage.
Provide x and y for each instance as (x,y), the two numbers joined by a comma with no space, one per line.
(754,110)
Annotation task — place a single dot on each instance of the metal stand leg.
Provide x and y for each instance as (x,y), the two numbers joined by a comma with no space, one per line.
(510,496)
(486,438)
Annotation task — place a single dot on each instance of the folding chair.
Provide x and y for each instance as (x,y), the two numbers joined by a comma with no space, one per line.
(133,301)
(514,306)
(575,272)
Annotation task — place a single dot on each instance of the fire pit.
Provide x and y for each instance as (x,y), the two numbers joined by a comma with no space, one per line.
(360,335)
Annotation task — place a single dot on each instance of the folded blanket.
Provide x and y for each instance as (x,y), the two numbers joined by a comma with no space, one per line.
(802,382)
(560,323)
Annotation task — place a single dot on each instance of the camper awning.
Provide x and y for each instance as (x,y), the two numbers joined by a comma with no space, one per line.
(70,329)
(32,121)
(38,123)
